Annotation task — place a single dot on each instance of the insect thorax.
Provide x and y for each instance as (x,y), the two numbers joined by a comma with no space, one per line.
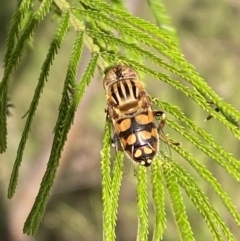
(127,97)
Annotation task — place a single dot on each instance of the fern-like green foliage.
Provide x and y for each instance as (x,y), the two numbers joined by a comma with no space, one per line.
(114,36)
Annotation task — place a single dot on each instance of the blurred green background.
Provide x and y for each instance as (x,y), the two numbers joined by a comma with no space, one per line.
(210,39)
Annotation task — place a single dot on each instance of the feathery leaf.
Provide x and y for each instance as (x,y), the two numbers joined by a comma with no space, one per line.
(142,203)
(56,43)
(162,18)
(106,183)
(115,188)
(218,153)
(109,30)
(60,137)
(177,204)
(201,202)
(158,198)
(13,56)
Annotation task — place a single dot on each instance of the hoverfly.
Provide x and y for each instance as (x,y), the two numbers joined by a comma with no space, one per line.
(129,108)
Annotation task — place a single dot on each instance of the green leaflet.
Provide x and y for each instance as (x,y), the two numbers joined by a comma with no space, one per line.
(177,204)
(142,203)
(14,53)
(63,26)
(61,130)
(158,199)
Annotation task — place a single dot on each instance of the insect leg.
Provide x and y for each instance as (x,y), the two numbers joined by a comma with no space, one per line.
(162,123)
(158,113)
(116,142)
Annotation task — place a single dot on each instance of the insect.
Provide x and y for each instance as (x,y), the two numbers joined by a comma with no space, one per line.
(229,118)
(129,108)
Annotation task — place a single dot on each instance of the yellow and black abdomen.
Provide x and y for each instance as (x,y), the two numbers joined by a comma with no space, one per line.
(138,137)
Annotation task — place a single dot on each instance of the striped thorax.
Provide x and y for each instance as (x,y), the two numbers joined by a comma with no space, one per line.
(125,93)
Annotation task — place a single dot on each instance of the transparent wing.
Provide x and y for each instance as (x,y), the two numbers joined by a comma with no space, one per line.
(116,143)
(164,141)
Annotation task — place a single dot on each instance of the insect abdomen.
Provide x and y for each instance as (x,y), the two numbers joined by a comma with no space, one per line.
(139,140)
(143,150)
